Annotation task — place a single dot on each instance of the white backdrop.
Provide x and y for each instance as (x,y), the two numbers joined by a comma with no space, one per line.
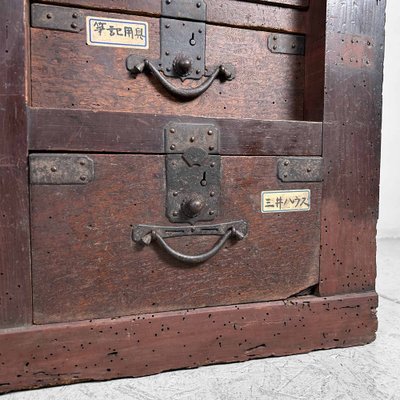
(389,212)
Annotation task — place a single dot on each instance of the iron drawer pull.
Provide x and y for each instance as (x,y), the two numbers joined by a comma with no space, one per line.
(145,234)
(198,258)
(223,72)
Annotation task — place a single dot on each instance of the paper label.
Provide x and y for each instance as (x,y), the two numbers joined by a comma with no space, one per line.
(111,32)
(285,201)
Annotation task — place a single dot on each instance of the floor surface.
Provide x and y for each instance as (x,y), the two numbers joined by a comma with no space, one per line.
(367,372)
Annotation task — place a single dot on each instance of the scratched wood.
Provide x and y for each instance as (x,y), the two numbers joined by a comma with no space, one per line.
(15,284)
(81,130)
(267,85)
(352,130)
(85,265)
(269,15)
(147,344)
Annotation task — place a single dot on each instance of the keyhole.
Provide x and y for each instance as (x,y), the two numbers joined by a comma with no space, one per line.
(203,182)
(192,41)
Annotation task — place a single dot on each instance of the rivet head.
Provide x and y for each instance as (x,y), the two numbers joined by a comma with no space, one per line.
(172,130)
(49,15)
(308,169)
(75,15)
(172,147)
(286,163)
(212,165)
(168,1)
(199,58)
(82,178)
(210,132)
(82,162)
(198,5)
(211,148)
(175,213)
(53,169)
(175,194)
(285,175)
(212,212)
(74,25)
(274,47)
(192,139)
(212,194)
(167,26)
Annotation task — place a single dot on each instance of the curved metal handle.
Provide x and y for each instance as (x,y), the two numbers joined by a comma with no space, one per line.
(144,234)
(194,259)
(224,72)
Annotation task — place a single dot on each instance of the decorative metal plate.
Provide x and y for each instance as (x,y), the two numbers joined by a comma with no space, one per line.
(58,18)
(60,169)
(286,44)
(300,169)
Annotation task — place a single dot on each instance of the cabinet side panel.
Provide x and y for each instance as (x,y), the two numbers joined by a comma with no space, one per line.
(15,284)
(351,144)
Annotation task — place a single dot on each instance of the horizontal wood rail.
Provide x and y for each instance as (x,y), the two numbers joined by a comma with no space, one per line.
(82,131)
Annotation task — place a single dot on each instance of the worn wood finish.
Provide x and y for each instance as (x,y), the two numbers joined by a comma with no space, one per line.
(315,62)
(267,86)
(148,344)
(283,3)
(221,12)
(15,284)
(98,131)
(352,125)
(85,264)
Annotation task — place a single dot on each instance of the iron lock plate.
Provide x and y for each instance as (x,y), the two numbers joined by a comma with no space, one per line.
(183,38)
(182,48)
(193,172)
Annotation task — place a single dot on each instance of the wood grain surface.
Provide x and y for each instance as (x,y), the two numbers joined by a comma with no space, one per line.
(85,264)
(275,15)
(267,85)
(147,344)
(15,283)
(352,132)
(100,131)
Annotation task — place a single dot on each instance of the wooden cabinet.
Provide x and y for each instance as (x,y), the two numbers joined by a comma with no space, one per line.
(185,184)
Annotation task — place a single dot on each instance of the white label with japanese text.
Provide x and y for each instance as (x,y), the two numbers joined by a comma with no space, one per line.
(285,201)
(112,32)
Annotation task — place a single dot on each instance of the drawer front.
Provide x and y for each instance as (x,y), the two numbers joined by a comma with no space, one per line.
(267,84)
(86,264)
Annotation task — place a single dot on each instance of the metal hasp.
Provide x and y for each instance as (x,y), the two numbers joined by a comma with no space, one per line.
(286,44)
(60,169)
(193,172)
(183,50)
(57,18)
(300,169)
